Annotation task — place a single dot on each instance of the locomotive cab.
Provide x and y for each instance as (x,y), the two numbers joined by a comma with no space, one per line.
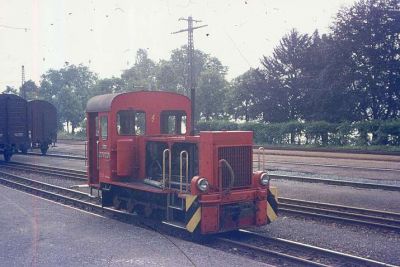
(142,159)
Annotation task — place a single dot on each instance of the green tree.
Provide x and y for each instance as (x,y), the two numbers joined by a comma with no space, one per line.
(210,94)
(69,90)
(108,86)
(10,90)
(171,75)
(327,97)
(368,35)
(142,74)
(285,79)
(245,95)
(28,90)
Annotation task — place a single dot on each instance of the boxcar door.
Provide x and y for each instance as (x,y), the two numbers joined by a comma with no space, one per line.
(92,148)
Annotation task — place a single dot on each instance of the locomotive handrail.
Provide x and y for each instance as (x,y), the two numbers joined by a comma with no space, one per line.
(86,142)
(98,154)
(220,175)
(262,152)
(181,155)
(169,165)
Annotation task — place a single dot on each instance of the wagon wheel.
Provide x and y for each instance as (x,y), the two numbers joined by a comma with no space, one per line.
(44,148)
(7,155)
(24,150)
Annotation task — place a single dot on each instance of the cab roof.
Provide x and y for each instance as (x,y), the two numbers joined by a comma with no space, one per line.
(103,103)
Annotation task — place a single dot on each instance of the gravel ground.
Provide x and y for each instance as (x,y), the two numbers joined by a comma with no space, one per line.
(69,149)
(35,232)
(360,241)
(342,195)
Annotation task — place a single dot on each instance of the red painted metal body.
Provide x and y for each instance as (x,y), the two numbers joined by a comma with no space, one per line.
(131,163)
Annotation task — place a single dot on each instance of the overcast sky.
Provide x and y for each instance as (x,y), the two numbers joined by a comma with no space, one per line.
(105,34)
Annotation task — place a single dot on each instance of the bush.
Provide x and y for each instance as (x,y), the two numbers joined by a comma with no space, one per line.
(320,133)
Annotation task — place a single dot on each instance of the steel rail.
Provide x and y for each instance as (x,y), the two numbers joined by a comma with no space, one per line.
(70,197)
(333,166)
(46,186)
(273,176)
(335,182)
(295,252)
(80,172)
(57,156)
(335,151)
(375,218)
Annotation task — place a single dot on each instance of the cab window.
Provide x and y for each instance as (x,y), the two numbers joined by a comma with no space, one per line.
(173,122)
(104,127)
(131,122)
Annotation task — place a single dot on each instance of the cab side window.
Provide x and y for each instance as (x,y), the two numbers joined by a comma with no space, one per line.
(131,122)
(173,122)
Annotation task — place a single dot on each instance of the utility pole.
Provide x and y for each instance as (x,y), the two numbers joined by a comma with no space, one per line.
(191,80)
(22,75)
(23,81)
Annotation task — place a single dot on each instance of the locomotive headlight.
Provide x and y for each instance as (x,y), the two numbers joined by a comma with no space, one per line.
(202,184)
(264,179)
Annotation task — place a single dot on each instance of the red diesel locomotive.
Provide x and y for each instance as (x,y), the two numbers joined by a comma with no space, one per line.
(142,158)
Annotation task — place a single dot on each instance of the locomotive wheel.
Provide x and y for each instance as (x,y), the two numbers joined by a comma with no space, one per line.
(148,210)
(116,202)
(130,205)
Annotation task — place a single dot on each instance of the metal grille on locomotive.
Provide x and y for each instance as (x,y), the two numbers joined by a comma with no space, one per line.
(240,159)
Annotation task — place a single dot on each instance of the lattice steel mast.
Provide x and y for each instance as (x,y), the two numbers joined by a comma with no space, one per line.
(191,80)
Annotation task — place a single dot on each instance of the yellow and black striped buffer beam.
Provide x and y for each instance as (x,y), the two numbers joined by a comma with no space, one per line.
(272,204)
(193,213)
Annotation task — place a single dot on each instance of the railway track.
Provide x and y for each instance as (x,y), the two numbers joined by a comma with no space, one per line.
(354,215)
(336,182)
(265,162)
(289,253)
(57,156)
(42,188)
(284,251)
(331,166)
(60,172)
(292,177)
(348,214)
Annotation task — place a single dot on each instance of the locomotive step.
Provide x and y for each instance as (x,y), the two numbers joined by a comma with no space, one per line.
(176,224)
(176,207)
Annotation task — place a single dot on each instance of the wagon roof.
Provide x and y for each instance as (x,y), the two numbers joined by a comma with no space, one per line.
(4,96)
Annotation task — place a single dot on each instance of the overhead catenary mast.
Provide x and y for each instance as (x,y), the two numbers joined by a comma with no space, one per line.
(22,75)
(191,80)
(23,81)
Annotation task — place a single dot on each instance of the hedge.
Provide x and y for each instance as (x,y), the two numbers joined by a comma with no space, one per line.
(319,133)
